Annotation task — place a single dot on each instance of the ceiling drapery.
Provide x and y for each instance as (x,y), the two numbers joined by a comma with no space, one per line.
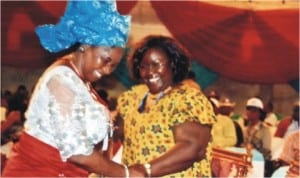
(20,45)
(242,44)
(245,45)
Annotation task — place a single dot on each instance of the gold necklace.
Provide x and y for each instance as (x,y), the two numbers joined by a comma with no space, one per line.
(153,99)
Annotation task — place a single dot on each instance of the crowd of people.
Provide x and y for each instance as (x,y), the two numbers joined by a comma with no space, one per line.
(165,124)
(260,127)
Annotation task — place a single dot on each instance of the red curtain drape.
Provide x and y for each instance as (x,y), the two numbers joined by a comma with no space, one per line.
(244,45)
(20,46)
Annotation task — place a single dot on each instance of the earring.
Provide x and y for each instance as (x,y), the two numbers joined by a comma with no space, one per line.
(81,49)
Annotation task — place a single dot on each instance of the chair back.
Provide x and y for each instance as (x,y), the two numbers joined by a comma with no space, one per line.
(227,163)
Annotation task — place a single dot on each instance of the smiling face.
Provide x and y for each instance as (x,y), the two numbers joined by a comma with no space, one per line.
(156,71)
(99,61)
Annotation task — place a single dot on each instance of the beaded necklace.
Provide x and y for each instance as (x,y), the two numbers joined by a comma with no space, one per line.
(96,97)
(89,86)
(142,104)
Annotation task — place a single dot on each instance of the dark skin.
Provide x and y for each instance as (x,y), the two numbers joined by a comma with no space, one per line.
(96,62)
(91,64)
(157,74)
(253,115)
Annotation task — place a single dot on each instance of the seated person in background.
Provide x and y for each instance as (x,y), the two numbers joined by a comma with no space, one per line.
(290,150)
(226,108)
(223,132)
(213,94)
(19,101)
(11,127)
(11,117)
(290,123)
(289,153)
(9,134)
(256,133)
(215,104)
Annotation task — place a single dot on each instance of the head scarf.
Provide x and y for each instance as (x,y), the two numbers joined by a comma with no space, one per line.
(88,22)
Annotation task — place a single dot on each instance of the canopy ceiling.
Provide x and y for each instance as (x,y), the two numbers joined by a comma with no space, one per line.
(237,39)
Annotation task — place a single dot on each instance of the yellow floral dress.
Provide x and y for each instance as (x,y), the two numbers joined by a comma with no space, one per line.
(148,135)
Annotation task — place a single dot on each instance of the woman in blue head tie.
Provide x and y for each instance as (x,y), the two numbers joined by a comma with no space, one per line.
(68,126)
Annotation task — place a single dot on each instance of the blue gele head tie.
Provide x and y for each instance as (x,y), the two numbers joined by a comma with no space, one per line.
(96,23)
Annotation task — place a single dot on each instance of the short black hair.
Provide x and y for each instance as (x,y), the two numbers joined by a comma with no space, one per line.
(177,55)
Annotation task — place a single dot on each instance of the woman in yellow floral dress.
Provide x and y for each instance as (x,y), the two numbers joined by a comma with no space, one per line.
(166,123)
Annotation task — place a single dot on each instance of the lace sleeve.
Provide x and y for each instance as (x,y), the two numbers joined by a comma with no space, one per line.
(78,121)
(63,96)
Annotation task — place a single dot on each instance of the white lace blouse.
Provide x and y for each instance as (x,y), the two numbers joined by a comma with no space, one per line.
(63,114)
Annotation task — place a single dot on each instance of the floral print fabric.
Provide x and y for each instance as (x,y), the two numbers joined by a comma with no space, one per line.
(148,135)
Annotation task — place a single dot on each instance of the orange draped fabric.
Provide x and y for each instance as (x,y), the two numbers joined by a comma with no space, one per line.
(244,45)
(20,45)
(33,158)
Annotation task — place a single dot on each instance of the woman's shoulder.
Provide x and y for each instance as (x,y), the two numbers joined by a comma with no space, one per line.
(135,91)
(60,73)
(139,88)
(58,69)
(185,90)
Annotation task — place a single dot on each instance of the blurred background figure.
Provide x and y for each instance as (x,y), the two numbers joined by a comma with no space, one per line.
(227,108)
(13,107)
(286,126)
(290,155)
(213,94)
(19,101)
(224,132)
(257,134)
(289,124)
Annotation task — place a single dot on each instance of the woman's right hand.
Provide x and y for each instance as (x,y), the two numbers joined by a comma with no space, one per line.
(137,170)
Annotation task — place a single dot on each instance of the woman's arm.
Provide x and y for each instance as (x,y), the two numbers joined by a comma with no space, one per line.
(96,162)
(191,140)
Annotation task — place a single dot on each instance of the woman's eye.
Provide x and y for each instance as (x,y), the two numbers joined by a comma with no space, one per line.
(153,66)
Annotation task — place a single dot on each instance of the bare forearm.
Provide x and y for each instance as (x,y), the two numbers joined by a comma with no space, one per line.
(179,158)
(188,149)
(98,164)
